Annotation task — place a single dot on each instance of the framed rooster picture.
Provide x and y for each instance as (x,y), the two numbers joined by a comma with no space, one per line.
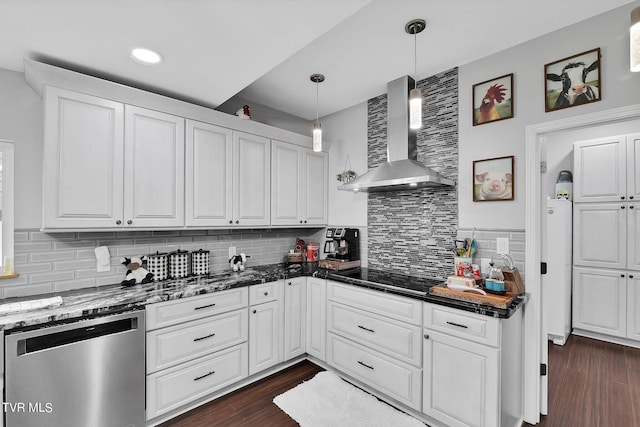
(493,100)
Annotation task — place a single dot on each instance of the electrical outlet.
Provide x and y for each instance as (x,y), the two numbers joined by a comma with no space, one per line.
(484,265)
(232,251)
(502,245)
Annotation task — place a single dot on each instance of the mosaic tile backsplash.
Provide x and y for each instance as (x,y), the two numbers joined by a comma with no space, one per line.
(413,231)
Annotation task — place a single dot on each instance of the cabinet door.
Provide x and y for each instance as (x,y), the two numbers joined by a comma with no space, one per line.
(265,344)
(154,169)
(460,381)
(633,236)
(633,306)
(295,317)
(286,185)
(251,179)
(317,317)
(633,166)
(600,170)
(314,194)
(600,234)
(83,160)
(209,185)
(600,300)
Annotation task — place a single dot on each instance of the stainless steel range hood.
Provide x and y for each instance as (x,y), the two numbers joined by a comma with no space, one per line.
(402,170)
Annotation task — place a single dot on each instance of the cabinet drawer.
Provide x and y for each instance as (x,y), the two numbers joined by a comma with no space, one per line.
(396,339)
(400,381)
(467,325)
(177,386)
(383,303)
(176,344)
(264,292)
(182,310)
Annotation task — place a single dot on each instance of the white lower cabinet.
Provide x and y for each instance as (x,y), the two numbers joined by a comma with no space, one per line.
(633,301)
(317,317)
(295,317)
(265,326)
(472,364)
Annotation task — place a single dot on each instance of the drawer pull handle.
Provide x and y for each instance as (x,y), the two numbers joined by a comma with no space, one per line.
(367,329)
(365,365)
(457,324)
(204,338)
(204,376)
(205,306)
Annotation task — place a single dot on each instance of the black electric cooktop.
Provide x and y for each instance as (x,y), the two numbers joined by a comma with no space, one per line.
(387,280)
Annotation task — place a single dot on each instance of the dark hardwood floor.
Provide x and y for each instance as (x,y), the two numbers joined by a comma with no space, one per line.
(591,384)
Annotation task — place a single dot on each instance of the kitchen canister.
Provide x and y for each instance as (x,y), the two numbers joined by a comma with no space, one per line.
(178,264)
(199,262)
(158,265)
(313,252)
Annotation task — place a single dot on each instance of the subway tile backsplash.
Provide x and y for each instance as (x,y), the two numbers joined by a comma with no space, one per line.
(50,262)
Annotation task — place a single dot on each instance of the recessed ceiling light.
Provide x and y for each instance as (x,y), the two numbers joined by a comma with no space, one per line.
(146,56)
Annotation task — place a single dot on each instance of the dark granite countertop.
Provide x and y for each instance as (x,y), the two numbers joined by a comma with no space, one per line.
(103,300)
(416,287)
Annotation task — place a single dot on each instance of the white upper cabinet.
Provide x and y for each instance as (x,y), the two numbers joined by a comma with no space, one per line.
(251,179)
(299,185)
(154,169)
(83,164)
(600,169)
(209,180)
(633,166)
(600,231)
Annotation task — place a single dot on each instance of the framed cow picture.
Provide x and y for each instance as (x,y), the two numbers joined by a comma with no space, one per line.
(493,100)
(573,81)
(493,179)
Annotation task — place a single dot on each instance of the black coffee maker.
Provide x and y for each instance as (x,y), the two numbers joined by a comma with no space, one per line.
(342,244)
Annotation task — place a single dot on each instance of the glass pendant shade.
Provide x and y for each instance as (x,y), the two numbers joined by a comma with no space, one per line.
(317,137)
(634,41)
(415,109)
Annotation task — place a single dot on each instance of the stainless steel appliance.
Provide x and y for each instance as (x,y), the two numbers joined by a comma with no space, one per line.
(87,373)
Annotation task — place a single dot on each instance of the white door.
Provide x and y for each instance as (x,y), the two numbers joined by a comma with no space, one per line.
(154,169)
(286,185)
(633,236)
(461,381)
(317,317)
(209,185)
(295,317)
(83,160)
(600,234)
(633,305)
(265,345)
(600,170)
(633,166)
(600,300)
(251,179)
(314,195)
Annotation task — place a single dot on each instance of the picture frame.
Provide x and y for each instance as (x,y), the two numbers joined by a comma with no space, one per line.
(493,100)
(493,179)
(572,81)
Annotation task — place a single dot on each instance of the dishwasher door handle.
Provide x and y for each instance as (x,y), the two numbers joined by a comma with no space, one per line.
(48,341)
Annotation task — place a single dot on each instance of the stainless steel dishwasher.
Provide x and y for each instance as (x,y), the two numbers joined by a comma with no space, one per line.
(87,373)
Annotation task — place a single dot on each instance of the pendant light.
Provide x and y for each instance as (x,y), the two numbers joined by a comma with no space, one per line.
(634,35)
(415,96)
(317,129)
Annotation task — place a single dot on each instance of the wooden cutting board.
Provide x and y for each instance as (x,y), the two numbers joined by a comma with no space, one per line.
(498,301)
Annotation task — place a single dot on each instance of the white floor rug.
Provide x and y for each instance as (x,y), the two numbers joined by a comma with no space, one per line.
(328,401)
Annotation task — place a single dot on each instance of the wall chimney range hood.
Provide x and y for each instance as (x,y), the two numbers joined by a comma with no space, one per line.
(402,171)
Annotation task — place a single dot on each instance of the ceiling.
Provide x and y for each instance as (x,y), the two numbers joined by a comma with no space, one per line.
(265,51)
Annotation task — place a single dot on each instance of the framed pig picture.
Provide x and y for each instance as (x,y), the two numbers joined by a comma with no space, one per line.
(493,179)
(493,100)
(573,81)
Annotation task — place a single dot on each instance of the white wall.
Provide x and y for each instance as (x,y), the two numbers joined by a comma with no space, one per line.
(347,133)
(21,121)
(619,87)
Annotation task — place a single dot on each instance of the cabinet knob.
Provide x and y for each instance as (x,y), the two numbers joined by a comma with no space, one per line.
(118,222)
(630,197)
(129,222)
(305,221)
(631,276)
(426,336)
(621,197)
(230,222)
(622,275)
(289,283)
(255,311)
(631,207)
(621,207)
(237,222)
(300,221)
(266,293)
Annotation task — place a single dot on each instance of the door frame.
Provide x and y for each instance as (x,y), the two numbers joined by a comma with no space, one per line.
(533,345)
